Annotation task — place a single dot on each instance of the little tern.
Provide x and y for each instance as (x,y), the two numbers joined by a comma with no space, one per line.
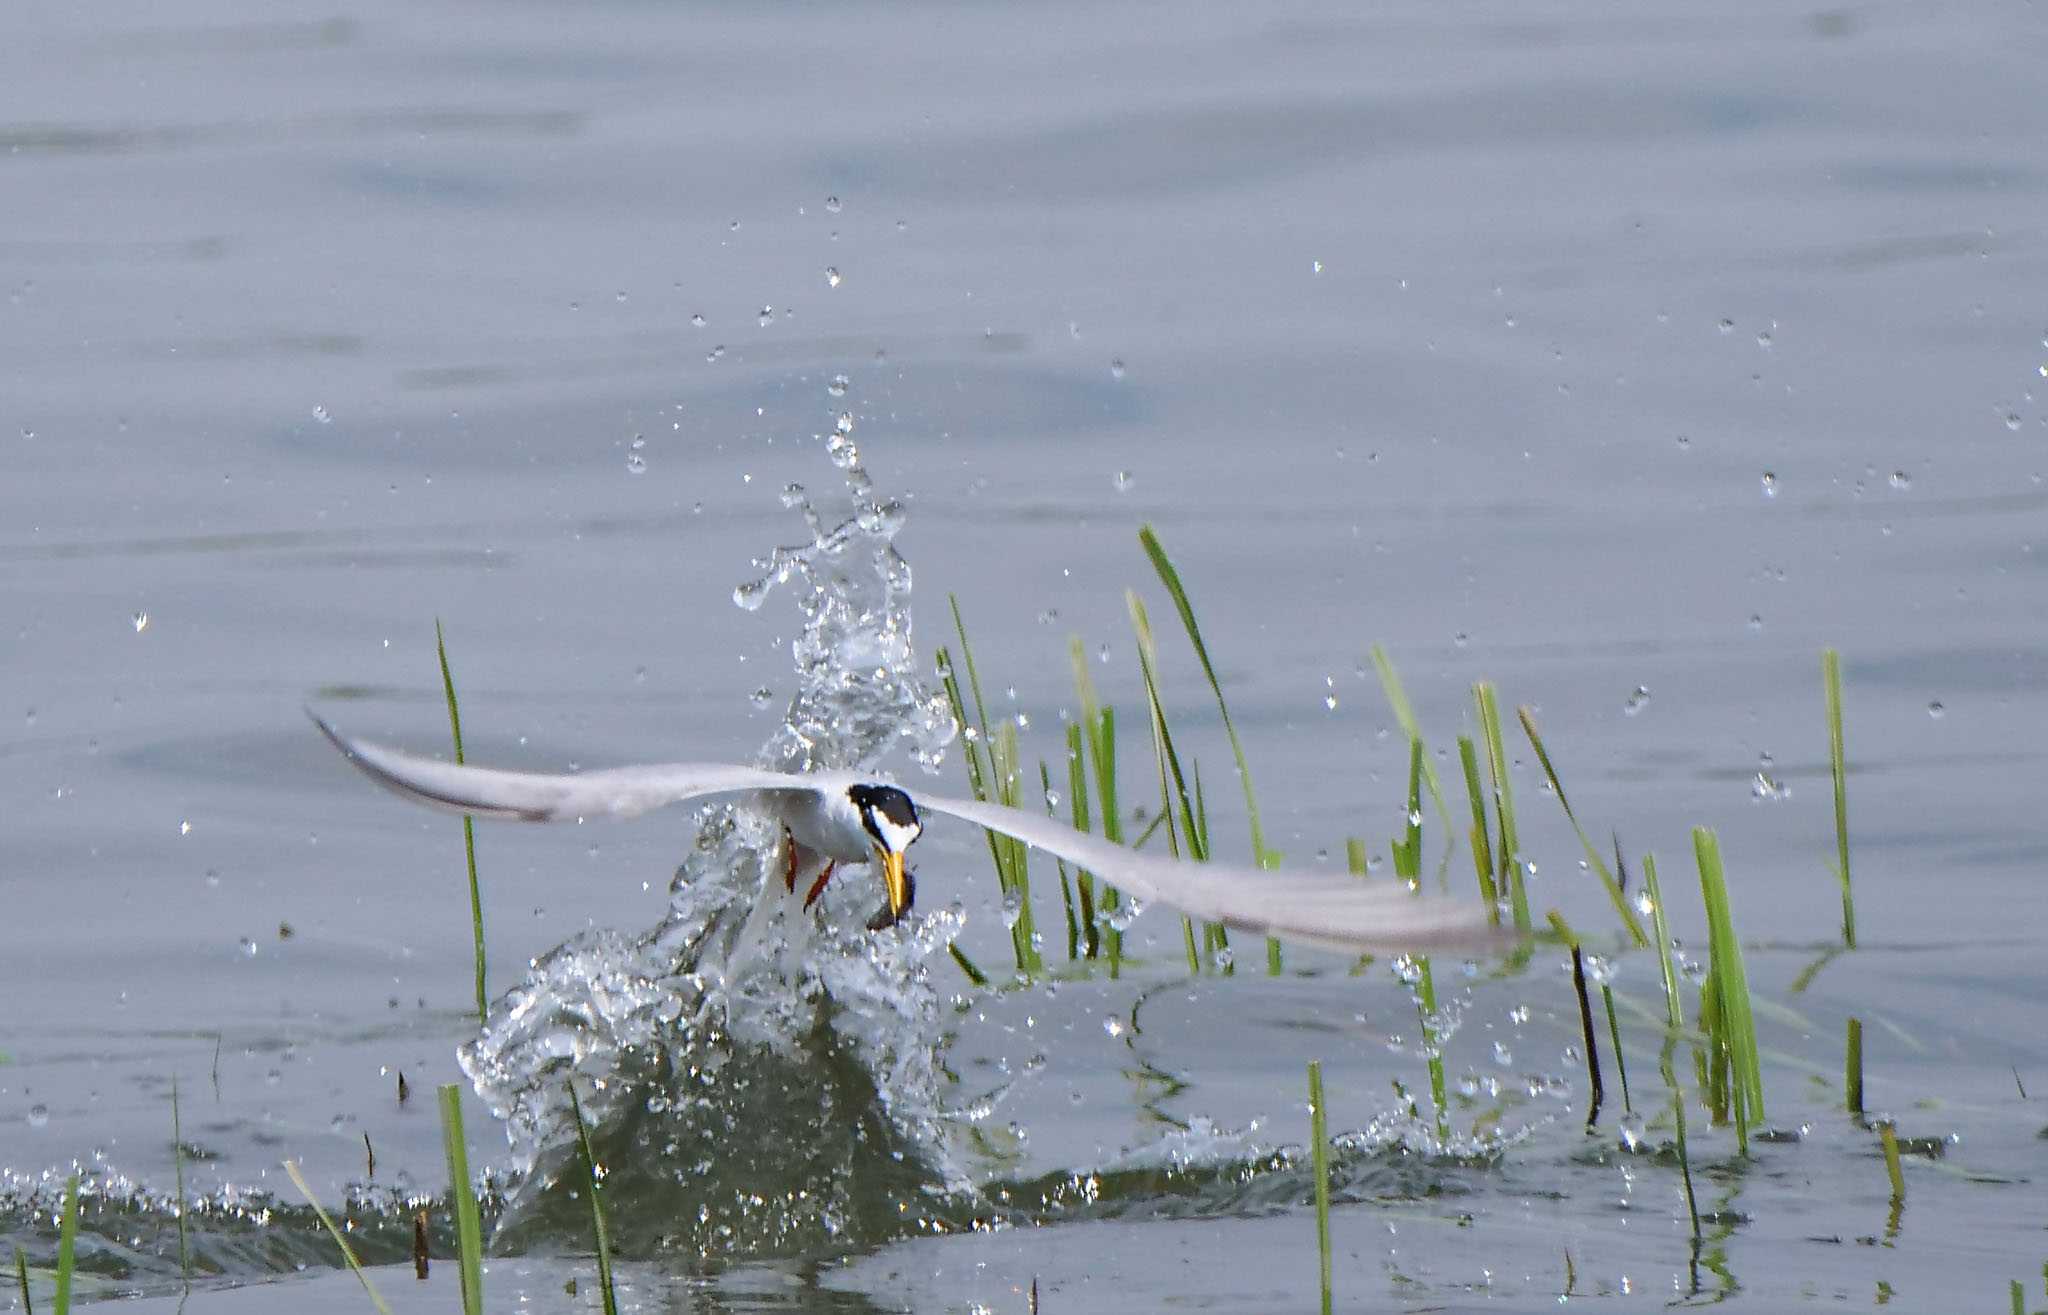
(828,818)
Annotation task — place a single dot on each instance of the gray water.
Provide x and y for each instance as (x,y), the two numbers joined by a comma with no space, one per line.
(1587,350)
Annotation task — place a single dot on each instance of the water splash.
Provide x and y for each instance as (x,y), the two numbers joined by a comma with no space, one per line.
(742,1096)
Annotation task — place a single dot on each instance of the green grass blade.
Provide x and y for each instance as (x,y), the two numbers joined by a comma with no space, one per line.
(1098,728)
(1319,1155)
(1831,679)
(1356,861)
(1482,842)
(1852,1068)
(1888,1138)
(1504,805)
(67,1248)
(1628,1106)
(1077,804)
(1066,886)
(1674,1027)
(1732,982)
(1169,577)
(974,974)
(1615,894)
(1171,778)
(1404,715)
(476,899)
(28,1307)
(597,1228)
(178,1170)
(469,1231)
(348,1253)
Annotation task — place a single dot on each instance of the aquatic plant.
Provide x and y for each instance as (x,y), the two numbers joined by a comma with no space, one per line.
(469,1230)
(348,1253)
(476,899)
(1838,772)
(599,1239)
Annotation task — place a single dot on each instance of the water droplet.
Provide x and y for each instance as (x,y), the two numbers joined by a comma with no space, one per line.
(1770,484)
(1901,480)
(1122,481)
(1756,622)
(39,1116)
(1502,1055)
(184,828)
(1113,1025)
(1631,1127)
(1223,958)
(831,276)
(714,353)
(1936,711)
(2012,420)
(766,317)
(761,697)
(247,947)
(140,621)
(750,595)
(1052,799)
(838,386)
(1727,326)
(844,424)
(1763,340)
(636,461)
(1315,266)
(832,205)
(698,319)
(1460,639)
(1637,701)
(1116,368)
(1684,443)
(321,413)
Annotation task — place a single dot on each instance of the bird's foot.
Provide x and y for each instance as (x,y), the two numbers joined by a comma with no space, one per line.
(818,886)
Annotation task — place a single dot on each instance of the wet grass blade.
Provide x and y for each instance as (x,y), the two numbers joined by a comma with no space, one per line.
(178,1170)
(1098,726)
(1597,1088)
(1831,679)
(1404,716)
(469,1230)
(597,1228)
(1852,1068)
(1730,980)
(67,1248)
(1510,865)
(1674,1027)
(1171,778)
(1482,842)
(1170,578)
(1077,804)
(1407,854)
(28,1307)
(1319,1155)
(1888,1138)
(1615,894)
(476,899)
(348,1252)
(1628,1106)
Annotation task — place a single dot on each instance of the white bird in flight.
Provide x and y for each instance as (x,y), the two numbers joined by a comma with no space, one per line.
(830,818)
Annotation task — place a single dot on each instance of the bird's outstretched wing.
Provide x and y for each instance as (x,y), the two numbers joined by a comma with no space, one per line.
(538,797)
(1335,911)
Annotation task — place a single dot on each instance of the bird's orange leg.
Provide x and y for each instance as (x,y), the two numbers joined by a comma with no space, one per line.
(818,886)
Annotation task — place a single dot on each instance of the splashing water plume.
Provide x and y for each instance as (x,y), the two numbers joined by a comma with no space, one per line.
(740,1094)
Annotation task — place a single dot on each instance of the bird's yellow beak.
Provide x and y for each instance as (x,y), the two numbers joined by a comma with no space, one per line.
(894,882)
